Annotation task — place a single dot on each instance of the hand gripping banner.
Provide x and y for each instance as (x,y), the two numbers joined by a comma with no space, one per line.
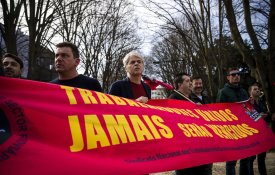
(53,129)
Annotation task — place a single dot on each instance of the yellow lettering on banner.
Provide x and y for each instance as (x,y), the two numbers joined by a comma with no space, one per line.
(119,129)
(77,137)
(253,130)
(192,114)
(140,128)
(70,94)
(104,99)
(131,102)
(234,132)
(151,126)
(184,112)
(202,114)
(230,114)
(221,115)
(165,131)
(143,105)
(185,131)
(238,131)
(94,132)
(216,130)
(177,111)
(226,132)
(218,115)
(118,100)
(87,96)
(200,130)
(194,130)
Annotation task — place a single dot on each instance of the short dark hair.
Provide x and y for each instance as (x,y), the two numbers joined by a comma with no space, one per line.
(178,79)
(195,77)
(70,45)
(230,69)
(16,58)
(254,84)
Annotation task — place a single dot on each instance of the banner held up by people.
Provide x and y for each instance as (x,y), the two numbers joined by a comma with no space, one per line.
(52,129)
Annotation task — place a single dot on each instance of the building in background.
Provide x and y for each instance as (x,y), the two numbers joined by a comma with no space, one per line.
(44,64)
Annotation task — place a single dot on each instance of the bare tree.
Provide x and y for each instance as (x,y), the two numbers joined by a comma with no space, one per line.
(39,16)
(271,52)
(104,32)
(11,16)
(255,57)
(191,20)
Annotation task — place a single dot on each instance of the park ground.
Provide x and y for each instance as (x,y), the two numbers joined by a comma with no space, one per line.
(219,168)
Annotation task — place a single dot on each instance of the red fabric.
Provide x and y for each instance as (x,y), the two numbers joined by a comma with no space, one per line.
(152,83)
(138,90)
(64,130)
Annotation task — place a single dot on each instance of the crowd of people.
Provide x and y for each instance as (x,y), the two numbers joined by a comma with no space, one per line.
(132,87)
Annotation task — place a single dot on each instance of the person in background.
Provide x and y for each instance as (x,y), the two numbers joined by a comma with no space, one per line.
(183,87)
(12,65)
(66,62)
(197,87)
(198,97)
(260,107)
(132,86)
(233,92)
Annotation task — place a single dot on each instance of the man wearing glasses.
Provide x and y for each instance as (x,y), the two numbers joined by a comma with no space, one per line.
(233,92)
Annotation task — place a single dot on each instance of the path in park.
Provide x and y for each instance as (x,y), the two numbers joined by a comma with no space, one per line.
(219,168)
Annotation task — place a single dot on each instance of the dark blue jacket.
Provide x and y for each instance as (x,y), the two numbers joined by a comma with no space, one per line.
(122,88)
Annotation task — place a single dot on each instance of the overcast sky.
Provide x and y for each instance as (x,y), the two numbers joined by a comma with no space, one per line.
(146,28)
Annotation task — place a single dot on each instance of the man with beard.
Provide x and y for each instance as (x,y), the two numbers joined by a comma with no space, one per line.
(198,97)
(12,65)
(197,87)
(233,92)
(132,87)
(66,62)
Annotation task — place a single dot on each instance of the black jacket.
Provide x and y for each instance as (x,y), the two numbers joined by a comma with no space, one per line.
(122,88)
(231,93)
(196,99)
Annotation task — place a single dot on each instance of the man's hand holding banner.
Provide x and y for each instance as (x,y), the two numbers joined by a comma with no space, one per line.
(52,129)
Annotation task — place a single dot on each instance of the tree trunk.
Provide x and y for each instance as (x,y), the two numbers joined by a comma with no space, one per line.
(271,60)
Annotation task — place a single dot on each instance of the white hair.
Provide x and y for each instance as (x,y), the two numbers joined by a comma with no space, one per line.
(129,55)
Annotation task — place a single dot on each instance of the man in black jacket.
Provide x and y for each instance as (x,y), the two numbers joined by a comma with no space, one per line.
(198,97)
(197,87)
(132,87)
(66,62)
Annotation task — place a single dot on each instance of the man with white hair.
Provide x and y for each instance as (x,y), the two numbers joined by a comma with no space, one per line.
(132,87)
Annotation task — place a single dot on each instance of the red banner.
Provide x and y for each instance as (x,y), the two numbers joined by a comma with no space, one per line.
(52,129)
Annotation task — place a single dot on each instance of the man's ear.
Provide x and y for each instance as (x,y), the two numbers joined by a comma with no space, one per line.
(77,61)
(227,77)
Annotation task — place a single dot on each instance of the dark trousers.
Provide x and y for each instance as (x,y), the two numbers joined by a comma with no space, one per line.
(198,170)
(261,164)
(244,167)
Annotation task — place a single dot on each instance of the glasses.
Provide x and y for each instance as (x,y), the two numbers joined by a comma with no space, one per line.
(234,74)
